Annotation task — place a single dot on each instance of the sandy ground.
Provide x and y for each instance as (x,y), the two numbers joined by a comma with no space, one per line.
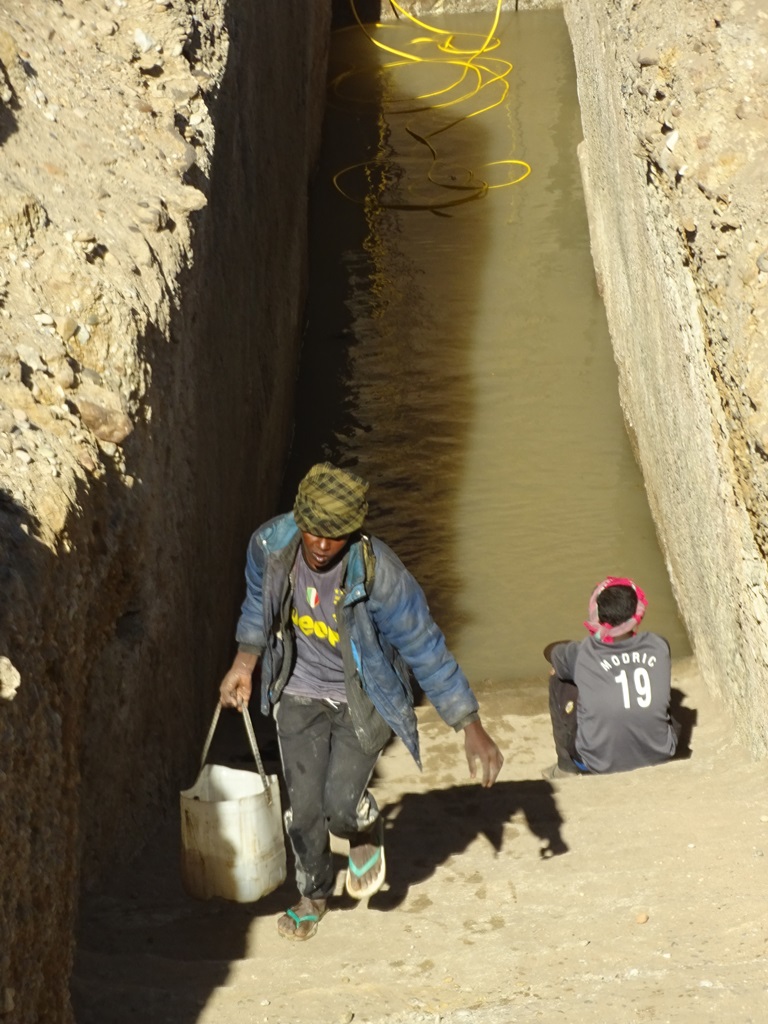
(634,897)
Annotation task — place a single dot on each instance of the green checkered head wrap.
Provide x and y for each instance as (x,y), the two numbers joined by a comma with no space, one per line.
(330,502)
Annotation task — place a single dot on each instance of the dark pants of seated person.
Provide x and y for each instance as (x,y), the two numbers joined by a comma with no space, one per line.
(563,704)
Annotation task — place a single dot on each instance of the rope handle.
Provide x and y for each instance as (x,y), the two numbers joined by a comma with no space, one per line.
(251,740)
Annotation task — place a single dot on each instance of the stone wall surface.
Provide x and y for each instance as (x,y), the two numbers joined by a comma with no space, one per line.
(425,8)
(674,102)
(154,160)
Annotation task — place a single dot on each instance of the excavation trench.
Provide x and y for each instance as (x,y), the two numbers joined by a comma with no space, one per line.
(155,160)
(457,355)
(457,352)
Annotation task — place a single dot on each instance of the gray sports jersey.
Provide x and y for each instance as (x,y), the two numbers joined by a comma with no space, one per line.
(623,706)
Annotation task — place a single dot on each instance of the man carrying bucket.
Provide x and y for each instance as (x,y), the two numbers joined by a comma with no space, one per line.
(337,622)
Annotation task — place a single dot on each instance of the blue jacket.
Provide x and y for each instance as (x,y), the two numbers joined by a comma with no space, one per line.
(385,629)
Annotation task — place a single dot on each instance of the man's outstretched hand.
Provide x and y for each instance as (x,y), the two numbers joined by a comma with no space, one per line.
(480,747)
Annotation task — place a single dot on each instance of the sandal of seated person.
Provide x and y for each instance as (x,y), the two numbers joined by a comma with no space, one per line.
(376,863)
(300,921)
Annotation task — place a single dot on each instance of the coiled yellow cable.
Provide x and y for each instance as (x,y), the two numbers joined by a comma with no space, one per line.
(472,62)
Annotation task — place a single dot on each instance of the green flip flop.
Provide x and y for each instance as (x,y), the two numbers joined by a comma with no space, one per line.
(292,925)
(376,860)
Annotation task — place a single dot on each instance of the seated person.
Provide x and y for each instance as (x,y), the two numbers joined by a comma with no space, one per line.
(609,694)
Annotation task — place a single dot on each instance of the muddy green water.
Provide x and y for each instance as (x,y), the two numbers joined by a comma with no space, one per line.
(458,355)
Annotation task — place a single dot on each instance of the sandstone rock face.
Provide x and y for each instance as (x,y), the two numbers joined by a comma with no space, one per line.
(675,164)
(154,159)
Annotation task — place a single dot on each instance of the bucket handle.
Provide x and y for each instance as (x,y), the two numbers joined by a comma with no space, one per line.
(251,739)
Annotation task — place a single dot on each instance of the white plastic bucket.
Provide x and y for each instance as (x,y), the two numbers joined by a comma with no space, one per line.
(232,842)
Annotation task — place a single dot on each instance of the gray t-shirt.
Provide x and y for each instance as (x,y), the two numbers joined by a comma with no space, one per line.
(623,705)
(319,669)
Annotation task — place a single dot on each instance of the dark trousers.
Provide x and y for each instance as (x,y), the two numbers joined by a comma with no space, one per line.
(563,708)
(326,774)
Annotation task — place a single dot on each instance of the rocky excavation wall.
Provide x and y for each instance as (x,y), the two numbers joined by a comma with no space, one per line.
(674,104)
(154,160)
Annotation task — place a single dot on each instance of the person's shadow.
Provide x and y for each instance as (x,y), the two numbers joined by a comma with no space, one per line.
(686,719)
(422,830)
(428,828)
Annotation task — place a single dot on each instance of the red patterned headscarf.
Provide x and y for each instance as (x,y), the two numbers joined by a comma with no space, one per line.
(603,630)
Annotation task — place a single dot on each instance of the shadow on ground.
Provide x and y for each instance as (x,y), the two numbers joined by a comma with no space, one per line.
(687,718)
(429,828)
(145,941)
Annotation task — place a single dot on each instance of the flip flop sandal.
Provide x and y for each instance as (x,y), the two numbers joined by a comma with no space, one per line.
(299,932)
(375,860)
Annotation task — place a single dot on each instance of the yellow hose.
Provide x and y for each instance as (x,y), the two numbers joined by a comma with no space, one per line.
(486,72)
